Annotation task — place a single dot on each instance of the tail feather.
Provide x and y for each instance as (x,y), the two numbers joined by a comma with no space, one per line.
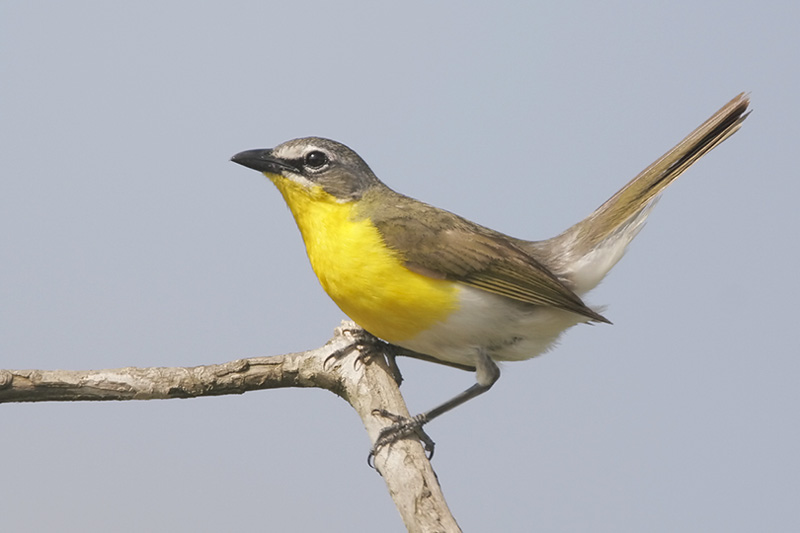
(585,253)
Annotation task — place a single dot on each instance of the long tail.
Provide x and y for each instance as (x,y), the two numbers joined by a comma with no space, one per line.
(585,253)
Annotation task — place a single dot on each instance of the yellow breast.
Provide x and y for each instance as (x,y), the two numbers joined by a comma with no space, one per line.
(365,278)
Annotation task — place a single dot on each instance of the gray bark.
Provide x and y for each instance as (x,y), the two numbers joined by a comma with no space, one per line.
(404,466)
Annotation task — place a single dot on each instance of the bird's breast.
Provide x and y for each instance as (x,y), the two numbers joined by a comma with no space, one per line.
(365,277)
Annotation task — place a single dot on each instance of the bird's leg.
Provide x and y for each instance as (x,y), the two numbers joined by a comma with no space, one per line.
(486,374)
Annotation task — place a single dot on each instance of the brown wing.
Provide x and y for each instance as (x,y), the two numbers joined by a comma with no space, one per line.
(443,245)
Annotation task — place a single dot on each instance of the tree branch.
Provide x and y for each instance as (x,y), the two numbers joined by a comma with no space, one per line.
(408,474)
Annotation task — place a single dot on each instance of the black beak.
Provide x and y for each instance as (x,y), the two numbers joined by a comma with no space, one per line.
(262,160)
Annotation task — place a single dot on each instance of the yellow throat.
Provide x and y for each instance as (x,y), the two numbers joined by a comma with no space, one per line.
(365,278)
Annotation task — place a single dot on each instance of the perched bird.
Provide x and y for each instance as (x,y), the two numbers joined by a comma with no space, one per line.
(446,288)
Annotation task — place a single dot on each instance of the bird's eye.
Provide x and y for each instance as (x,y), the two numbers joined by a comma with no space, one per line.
(316,159)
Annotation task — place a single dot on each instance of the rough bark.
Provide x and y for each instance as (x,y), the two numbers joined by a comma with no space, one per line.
(366,387)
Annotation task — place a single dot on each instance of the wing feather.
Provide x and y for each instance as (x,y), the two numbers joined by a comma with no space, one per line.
(443,245)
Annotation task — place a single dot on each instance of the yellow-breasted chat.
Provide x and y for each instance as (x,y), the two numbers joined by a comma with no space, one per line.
(430,281)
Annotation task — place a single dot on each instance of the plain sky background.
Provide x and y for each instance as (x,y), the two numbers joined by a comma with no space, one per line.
(127,238)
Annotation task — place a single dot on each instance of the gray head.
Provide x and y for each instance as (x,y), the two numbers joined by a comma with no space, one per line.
(314,161)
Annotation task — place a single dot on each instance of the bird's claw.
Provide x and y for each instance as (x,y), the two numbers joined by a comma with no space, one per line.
(367,346)
(363,343)
(401,428)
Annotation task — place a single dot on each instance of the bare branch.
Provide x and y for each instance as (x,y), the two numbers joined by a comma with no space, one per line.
(366,387)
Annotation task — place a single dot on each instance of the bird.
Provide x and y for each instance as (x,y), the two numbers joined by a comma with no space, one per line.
(448,289)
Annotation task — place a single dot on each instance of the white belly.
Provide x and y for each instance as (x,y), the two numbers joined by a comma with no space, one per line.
(504,329)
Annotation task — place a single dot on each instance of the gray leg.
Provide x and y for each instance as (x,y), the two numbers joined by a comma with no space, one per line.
(486,374)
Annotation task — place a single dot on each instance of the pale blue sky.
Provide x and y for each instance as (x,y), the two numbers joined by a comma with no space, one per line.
(128,238)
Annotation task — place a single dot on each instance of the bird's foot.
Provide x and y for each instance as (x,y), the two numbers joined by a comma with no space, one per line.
(368,346)
(401,428)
